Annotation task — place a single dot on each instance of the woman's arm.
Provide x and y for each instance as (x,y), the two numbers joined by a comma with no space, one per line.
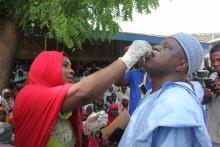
(94,85)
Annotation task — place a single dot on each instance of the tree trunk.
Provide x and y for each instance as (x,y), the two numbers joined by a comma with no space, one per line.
(8,40)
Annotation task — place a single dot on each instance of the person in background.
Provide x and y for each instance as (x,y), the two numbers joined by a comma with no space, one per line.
(134,78)
(212,97)
(107,93)
(99,104)
(91,128)
(87,110)
(113,98)
(94,68)
(20,78)
(124,104)
(7,101)
(7,104)
(6,130)
(170,114)
(50,104)
(2,115)
(113,113)
(207,66)
(122,92)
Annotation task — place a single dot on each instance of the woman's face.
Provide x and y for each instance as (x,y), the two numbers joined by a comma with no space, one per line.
(67,71)
(114,111)
(89,110)
(6,95)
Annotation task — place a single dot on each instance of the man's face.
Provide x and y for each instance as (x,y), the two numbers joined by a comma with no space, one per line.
(67,71)
(123,89)
(113,97)
(215,60)
(165,58)
(100,102)
(125,103)
(109,99)
(111,89)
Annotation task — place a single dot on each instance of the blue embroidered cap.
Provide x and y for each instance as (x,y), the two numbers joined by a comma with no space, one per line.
(193,50)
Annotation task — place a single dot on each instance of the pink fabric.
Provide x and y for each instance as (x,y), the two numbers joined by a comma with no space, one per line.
(37,105)
(92,142)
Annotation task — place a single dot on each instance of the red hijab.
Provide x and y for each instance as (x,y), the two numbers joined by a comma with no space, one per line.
(112,117)
(37,105)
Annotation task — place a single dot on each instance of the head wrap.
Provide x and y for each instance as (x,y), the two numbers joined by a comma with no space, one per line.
(4,91)
(38,104)
(113,106)
(20,76)
(111,117)
(126,97)
(86,106)
(193,50)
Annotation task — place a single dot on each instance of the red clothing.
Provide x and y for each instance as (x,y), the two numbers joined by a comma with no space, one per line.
(111,117)
(37,105)
(92,142)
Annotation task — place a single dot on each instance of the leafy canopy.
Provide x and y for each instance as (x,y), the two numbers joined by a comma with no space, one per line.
(73,21)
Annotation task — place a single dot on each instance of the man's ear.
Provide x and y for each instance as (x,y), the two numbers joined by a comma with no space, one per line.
(182,66)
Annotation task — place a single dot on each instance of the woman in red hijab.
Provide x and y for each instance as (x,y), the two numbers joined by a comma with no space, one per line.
(43,105)
(113,113)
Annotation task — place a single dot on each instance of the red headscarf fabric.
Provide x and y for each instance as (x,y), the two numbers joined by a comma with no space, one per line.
(111,117)
(37,105)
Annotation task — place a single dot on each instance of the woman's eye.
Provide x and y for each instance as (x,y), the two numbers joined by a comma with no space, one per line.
(65,65)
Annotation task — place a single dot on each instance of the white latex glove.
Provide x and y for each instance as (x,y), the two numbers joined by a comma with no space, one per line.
(137,49)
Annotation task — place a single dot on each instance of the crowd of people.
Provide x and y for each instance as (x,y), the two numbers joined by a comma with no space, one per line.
(153,85)
(7,99)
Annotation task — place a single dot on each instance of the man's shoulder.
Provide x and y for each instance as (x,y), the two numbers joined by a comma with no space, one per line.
(177,97)
(174,92)
(177,102)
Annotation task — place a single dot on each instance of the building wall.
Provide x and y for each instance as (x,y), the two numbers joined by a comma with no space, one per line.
(30,47)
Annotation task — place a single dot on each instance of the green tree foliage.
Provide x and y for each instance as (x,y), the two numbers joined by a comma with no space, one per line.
(73,21)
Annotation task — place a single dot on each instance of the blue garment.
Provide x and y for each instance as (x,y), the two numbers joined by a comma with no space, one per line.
(135,78)
(170,117)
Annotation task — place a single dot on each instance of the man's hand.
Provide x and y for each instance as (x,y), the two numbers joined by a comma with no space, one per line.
(208,92)
(216,85)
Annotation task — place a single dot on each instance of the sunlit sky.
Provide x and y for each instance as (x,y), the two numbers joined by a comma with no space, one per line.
(189,16)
